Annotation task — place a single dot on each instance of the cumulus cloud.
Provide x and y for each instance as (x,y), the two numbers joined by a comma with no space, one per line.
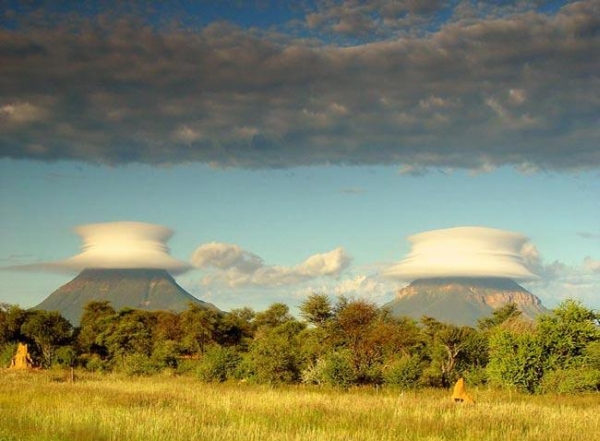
(465,252)
(118,245)
(237,267)
(489,87)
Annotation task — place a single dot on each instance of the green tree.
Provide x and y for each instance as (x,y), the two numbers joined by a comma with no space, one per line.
(273,356)
(275,315)
(130,332)
(566,333)
(317,309)
(448,347)
(198,328)
(499,316)
(48,330)
(96,317)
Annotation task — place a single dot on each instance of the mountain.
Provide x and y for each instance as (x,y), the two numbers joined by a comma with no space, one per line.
(148,289)
(462,300)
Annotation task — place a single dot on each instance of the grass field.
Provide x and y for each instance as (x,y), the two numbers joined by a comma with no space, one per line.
(42,406)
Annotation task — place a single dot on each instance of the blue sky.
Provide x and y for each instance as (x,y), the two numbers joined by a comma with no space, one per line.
(291,132)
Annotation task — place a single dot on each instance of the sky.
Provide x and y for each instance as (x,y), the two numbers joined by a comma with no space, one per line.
(267,150)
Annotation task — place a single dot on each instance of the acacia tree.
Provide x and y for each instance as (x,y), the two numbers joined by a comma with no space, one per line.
(448,346)
(48,329)
(96,317)
(198,327)
(560,341)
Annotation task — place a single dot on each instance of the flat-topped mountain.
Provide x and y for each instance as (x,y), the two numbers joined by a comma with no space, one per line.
(462,300)
(148,289)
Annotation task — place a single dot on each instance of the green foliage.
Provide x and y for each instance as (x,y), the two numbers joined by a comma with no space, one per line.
(130,332)
(165,354)
(316,309)
(499,316)
(7,352)
(476,376)
(137,364)
(571,381)
(337,370)
(565,334)
(48,330)
(275,315)
(273,356)
(592,354)
(65,356)
(218,364)
(198,327)
(404,373)
(516,360)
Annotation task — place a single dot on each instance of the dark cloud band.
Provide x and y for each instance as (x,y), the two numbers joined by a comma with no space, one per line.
(519,90)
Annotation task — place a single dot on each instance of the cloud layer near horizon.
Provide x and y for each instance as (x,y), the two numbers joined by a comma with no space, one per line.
(483,89)
(236,267)
(118,245)
(466,252)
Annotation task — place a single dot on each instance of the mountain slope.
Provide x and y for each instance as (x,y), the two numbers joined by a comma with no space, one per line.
(462,301)
(148,289)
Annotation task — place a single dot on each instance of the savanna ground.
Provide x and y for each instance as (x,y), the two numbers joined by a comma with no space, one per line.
(44,406)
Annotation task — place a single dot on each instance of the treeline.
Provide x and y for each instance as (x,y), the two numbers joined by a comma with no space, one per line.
(341,343)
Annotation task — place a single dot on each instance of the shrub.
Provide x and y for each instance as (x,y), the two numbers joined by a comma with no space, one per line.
(7,352)
(338,370)
(404,373)
(95,363)
(314,373)
(137,364)
(571,381)
(476,376)
(65,356)
(218,364)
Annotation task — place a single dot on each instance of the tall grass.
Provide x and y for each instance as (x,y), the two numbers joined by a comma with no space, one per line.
(42,406)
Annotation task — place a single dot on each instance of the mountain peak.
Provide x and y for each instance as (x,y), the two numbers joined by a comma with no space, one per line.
(462,300)
(140,288)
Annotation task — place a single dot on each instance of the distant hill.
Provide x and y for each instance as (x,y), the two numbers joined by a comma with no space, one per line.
(462,300)
(148,289)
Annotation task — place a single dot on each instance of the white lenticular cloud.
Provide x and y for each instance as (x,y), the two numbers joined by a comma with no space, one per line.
(234,266)
(119,245)
(465,252)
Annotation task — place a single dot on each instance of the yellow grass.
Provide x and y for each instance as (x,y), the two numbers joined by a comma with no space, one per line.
(42,406)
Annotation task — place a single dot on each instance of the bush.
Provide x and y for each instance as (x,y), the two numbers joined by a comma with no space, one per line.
(404,373)
(338,371)
(137,364)
(65,356)
(96,364)
(477,376)
(218,364)
(314,373)
(7,352)
(571,381)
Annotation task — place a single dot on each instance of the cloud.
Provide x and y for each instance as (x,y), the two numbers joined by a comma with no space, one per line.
(465,252)
(117,245)
(489,87)
(236,267)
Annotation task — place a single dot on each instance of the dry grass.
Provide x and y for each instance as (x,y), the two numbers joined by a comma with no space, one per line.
(41,406)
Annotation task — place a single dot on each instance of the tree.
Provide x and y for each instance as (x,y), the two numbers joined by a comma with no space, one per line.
(556,349)
(96,317)
(499,316)
(317,309)
(198,326)
(129,332)
(566,333)
(448,346)
(275,315)
(48,329)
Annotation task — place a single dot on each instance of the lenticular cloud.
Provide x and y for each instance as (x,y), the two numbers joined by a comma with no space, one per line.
(119,245)
(464,252)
